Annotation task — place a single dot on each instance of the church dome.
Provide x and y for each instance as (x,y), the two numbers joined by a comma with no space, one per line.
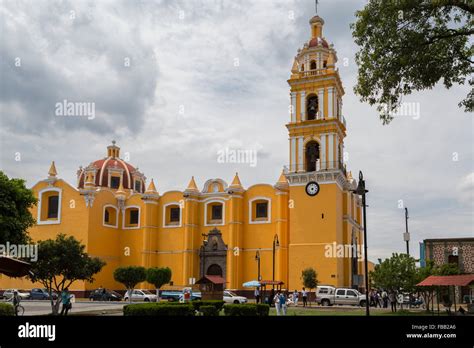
(110,172)
(318,41)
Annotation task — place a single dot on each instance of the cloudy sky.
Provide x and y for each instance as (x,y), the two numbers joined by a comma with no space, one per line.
(174,82)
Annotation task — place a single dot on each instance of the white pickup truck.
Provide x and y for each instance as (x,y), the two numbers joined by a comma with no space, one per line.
(328,296)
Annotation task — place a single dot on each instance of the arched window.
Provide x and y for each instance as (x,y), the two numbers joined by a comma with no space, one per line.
(312,156)
(110,216)
(172,215)
(49,206)
(260,209)
(312,107)
(214,213)
(302,67)
(313,65)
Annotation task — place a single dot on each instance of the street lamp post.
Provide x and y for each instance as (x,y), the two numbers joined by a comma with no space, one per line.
(406,235)
(361,191)
(257,258)
(276,243)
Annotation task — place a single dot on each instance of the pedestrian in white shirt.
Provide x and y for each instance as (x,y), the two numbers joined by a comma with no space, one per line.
(305,297)
(276,300)
(295,297)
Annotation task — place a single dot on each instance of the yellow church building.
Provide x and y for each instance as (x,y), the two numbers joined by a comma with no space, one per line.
(220,229)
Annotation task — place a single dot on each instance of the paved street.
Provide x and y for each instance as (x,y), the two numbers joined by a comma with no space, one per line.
(104,308)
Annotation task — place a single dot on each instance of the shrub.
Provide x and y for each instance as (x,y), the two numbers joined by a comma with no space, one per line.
(216,303)
(7,309)
(157,309)
(240,310)
(262,309)
(209,311)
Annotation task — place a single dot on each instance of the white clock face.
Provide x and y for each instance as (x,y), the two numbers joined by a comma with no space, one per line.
(312,188)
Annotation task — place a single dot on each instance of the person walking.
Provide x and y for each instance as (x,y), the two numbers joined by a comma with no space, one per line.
(393,301)
(295,298)
(66,301)
(304,294)
(384,298)
(276,300)
(378,299)
(16,301)
(283,302)
(257,295)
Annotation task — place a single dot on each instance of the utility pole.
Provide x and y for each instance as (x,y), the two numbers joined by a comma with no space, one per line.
(406,235)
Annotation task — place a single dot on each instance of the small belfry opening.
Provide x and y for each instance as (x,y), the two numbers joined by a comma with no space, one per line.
(312,105)
(313,65)
(312,156)
(113,150)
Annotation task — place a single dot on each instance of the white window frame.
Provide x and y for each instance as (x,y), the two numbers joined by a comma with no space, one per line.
(125,214)
(135,185)
(116,216)
(40,201)
(180,224)
(110,180)
(269,217)
(223,212)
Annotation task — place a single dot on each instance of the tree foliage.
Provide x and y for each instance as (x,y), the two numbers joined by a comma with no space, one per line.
(60,263)
(398,272)
(410,45)
(309,278)
(15,217)
(130,276)
(158,277)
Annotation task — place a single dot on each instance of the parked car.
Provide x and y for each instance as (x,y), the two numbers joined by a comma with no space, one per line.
(178,295)
(104,295)
(41,294)
(140,295)
(328,296)
(230,297)
(8,294)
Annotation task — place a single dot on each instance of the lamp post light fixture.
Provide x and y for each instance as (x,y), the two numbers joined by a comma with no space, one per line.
(257,258)
(276,243)
(406,235)
(361,191)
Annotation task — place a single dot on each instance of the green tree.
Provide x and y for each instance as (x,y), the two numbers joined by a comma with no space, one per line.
(410,45)
(15,217)
(309,278)
(158,277)
(398,272)
(60,263)
(130,276)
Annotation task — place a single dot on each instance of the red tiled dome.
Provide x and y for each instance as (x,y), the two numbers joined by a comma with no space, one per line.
(318,41)
(102,176)
(103,166)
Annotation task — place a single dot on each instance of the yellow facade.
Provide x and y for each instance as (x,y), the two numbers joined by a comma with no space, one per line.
(123,223)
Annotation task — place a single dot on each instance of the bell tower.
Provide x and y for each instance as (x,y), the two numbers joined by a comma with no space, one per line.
(317,127)
(319,189)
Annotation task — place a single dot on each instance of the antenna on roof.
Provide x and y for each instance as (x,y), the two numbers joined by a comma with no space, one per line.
(316,5)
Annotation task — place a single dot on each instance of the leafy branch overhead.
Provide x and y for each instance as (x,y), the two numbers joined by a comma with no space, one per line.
(410,45)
